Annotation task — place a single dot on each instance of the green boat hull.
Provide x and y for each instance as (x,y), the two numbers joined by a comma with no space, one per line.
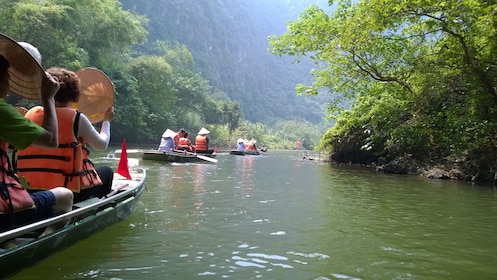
(85,221)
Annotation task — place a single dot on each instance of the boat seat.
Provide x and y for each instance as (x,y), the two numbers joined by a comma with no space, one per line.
(86,202)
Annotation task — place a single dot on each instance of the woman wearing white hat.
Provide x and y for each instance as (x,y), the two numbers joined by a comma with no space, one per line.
(21,74)
(240,145)
(167,141)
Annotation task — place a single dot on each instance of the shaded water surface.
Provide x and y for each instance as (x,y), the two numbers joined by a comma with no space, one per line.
(276,216)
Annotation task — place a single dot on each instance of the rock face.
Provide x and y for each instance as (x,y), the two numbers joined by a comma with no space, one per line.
(466,169)
(478,166)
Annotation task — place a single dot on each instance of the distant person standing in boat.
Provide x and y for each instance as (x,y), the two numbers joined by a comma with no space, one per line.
(167,141)
(75,131)
(178,135)
(202,141)
(186,144)
(240,145)
(21,74)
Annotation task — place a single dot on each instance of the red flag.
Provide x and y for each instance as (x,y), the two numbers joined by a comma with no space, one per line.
(122,168)
(215,149)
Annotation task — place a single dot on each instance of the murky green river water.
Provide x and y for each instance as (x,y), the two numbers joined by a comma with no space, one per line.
(276,216)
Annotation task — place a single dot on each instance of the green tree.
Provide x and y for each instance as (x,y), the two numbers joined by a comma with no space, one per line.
(436,60)
(74,34)
(154,79)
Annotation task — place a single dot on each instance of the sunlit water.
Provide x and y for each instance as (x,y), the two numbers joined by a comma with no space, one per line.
(276,216)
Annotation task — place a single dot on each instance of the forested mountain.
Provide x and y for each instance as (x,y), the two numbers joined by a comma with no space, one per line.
(228,40)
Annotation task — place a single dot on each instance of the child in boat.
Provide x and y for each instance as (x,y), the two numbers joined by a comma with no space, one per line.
(21,74)
(185,143)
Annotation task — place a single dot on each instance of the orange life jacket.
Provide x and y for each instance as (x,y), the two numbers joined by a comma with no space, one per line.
(66,166)
(201,142)
(250,146)
(183,142)
(176,139)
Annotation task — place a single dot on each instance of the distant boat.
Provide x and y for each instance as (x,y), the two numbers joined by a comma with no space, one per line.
(176,156)
(243,153)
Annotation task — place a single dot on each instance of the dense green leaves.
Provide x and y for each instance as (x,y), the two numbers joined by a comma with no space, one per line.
(423,74)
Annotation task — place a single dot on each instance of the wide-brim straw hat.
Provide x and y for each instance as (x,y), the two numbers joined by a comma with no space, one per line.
(26,73)
(168,133)
(96,93)
(203,131)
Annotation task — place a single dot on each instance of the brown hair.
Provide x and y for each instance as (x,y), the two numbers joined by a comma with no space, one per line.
(69,84)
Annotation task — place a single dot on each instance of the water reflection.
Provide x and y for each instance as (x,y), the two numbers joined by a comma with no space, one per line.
(279,217)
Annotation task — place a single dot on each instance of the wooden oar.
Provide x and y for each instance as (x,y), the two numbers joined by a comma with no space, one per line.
(199,156)
(207,158)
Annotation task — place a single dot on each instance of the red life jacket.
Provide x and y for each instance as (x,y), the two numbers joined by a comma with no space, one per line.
(66,166)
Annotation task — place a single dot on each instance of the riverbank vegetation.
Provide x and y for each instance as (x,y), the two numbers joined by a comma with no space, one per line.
(423,77)
(177,64)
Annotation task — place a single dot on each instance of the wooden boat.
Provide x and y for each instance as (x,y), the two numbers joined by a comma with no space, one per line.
(209,153)
(243,153)
(176,157)
(27,248)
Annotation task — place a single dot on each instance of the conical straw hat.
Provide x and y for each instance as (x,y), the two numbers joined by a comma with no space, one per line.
(96,93)
(168,133)
(26,73)
(203,131)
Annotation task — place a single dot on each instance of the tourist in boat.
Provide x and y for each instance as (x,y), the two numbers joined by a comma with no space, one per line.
(250,146)
(21,73)
(178,135)
(185,144)
(167,141)
(202,141)
(240,145)
(75,131)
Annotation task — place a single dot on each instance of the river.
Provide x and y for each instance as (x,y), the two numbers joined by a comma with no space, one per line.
(277,216)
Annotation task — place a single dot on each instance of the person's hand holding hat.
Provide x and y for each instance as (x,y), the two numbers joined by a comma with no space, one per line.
(49,87)
(109,114)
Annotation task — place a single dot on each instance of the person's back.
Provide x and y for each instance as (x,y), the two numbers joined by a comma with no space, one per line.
(201,140)
(250,146)
(167,141)
(240,146)
(76,172)
(166,145)
(185,143)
